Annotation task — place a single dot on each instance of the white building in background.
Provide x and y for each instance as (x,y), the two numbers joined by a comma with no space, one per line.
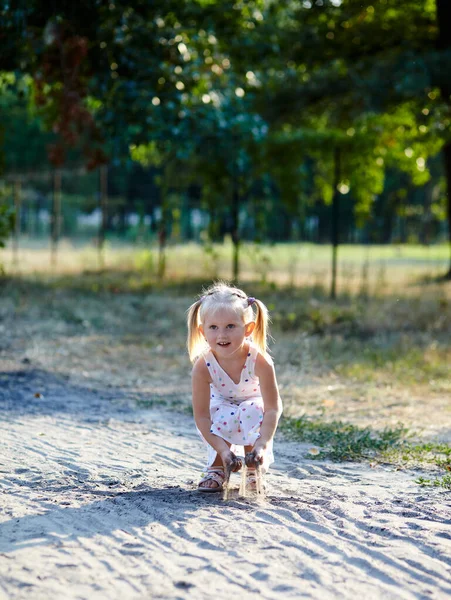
(92,220)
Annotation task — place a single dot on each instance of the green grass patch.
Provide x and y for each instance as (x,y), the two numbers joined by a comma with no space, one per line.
(443,482)
(341,441)
(430,453)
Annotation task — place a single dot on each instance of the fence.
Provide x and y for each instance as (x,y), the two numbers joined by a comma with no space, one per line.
(125,206)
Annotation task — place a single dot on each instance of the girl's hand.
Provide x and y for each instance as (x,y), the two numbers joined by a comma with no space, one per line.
(255,457)
(231,462)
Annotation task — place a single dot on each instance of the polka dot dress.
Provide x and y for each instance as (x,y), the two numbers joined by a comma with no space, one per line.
(236,409)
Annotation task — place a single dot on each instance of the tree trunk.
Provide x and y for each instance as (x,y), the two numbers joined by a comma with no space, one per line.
(17,211)
(447,160)
(335,222)
(162,238)
(235,226)
(56,215)
(426,223)
(103,183)
(444,43)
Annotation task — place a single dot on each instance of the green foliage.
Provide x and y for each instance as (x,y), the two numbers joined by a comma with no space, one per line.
(239,97)
(7,219)
(438,454)
(444,482)
(23,139)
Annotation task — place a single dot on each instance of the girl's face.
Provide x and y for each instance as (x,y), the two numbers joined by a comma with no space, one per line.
(225,332)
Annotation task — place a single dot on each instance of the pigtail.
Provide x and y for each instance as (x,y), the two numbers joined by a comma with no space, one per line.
(260,333)
(195,342)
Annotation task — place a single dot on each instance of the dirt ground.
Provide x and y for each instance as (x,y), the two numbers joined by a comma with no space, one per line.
(100,462)
(98,500)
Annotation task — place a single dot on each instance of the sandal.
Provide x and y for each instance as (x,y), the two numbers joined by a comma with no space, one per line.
(213,474)
(254,481)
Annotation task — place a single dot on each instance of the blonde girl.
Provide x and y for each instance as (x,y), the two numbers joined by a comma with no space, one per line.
(236,401)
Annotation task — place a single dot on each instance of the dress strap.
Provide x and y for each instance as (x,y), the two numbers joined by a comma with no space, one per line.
(251,359)
(211,365)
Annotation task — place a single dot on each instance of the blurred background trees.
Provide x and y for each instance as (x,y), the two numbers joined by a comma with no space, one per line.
(325,121)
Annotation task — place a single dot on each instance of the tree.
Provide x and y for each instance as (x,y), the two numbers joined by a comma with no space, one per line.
(347,59)
(323,68)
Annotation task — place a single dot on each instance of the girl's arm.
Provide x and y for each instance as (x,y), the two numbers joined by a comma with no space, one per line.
(264,370)
(201,409)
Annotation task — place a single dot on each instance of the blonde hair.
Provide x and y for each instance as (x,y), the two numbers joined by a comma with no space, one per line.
(219,296)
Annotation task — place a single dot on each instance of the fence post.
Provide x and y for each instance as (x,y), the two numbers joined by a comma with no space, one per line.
(103,182)
(335,221)
(17,207)
(56,216)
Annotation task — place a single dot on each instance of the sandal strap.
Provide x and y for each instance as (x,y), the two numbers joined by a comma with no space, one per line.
(251,474)
(251,478)
(213,475)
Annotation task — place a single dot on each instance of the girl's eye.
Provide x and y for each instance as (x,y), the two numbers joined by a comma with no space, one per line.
(231,326)
(213,327)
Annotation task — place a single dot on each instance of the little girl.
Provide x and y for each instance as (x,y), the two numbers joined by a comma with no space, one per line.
(236,401)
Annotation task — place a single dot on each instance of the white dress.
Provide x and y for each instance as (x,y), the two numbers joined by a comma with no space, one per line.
(236,409)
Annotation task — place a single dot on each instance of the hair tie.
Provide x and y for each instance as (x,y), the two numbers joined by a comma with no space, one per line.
(250,301)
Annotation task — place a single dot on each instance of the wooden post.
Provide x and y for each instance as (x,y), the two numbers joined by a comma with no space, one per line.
(235,230)
(446,150)
(235,210)
(103,181)
(17,207)
(56,216)
(162,235)
(335,222)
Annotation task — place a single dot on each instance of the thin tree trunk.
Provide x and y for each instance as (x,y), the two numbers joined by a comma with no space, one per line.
(235,225)
(103,184)
(447,160)
(17,207)
(444,43)
(162,237)
(56,216)
(335,222)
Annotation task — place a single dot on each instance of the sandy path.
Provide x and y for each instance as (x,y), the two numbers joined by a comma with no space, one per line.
(98,500)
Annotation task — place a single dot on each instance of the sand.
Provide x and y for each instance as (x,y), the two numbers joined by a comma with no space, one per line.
(98,500)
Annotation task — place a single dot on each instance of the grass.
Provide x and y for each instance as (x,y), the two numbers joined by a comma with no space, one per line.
(339,441)
(429,453)
(363,270)
(443,482)
(397,360)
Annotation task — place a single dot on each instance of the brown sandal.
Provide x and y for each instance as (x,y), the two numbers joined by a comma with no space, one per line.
(213,474)
(254,481)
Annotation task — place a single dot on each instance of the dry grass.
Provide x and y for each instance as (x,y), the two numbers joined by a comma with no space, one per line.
(370,359)
(363,270)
